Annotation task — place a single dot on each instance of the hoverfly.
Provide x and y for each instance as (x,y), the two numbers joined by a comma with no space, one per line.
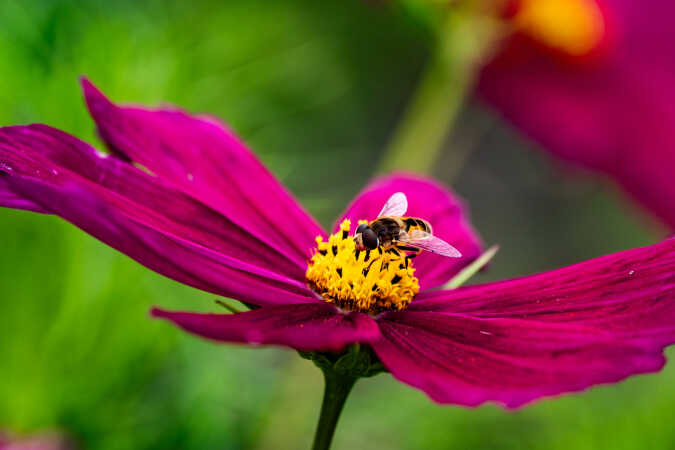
(393,231)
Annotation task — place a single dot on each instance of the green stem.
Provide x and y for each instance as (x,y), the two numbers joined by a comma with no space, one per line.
(465,40)
(335,394)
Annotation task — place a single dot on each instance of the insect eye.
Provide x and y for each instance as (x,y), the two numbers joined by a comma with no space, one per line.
(370,239)
(361,228)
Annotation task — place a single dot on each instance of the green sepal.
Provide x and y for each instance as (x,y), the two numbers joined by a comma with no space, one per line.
(355,361)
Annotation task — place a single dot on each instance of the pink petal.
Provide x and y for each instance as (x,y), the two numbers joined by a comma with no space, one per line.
(208,162)
(630,294)
(9,199)
(613,114)
(468,360)
(49,440)
(142,216)
(431,201)
(308,326)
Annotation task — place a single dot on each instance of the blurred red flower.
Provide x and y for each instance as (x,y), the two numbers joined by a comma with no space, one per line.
(593,82)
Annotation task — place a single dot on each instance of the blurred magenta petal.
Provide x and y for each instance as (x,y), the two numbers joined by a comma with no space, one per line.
(433,202)
(468,360)
(49,440)
(613,112)
(630,294)
(142,216)
(309,326)
(202,158)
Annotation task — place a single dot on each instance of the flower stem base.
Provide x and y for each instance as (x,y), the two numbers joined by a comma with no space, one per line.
(340,370)
(337,388)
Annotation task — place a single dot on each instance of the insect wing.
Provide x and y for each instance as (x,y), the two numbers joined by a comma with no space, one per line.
(396,206)
(426,241)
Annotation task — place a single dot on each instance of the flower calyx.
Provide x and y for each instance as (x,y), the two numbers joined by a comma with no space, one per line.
(355,361)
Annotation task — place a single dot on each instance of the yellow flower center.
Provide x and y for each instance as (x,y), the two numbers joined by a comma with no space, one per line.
(371,281)
(573,26)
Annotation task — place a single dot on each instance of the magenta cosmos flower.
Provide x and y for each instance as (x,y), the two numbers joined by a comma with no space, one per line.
(593,82)
(183,196)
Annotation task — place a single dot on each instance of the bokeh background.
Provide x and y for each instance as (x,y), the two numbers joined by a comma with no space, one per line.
(316,88)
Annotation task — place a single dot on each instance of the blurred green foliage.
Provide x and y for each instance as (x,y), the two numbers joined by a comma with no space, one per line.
(315,88)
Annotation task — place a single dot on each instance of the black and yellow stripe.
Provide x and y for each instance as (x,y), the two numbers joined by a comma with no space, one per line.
(414,223)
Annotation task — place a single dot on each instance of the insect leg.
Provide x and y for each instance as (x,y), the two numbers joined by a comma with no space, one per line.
(367,269)
(394,251)
(409,258)
(412,256)
(405,248)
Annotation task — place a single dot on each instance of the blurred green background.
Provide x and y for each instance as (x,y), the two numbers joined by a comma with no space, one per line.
(316,89)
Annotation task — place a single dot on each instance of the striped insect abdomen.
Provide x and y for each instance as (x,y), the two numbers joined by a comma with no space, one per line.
(414,223)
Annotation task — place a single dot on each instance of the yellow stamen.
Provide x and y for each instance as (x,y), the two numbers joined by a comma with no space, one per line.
(369,281)
(573,26)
